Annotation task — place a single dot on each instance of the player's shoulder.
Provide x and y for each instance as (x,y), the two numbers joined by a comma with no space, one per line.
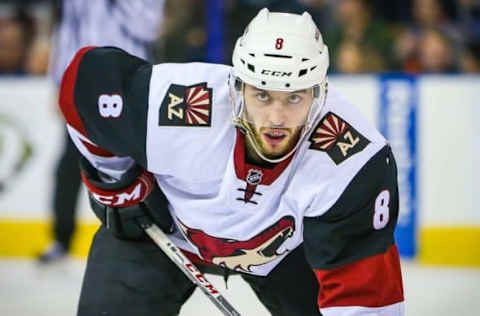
(342,135)
(189,116)
(189,94)
(152,113)
(105,60)
(103,91)
(341,143)
(340,106)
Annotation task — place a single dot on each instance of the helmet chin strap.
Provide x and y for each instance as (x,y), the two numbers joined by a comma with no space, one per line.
(255,146)
(249,134)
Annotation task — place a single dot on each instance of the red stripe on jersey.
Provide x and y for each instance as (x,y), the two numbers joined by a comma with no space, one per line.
(67,92)
(96,150)
(194,258)
(371,282)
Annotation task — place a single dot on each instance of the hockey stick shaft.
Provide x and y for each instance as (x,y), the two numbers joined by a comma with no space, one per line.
(188,268)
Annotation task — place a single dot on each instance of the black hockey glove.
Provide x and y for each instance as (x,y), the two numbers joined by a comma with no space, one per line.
(121,204)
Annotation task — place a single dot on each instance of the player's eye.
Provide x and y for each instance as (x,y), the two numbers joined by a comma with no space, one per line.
(294,99)
(262,96)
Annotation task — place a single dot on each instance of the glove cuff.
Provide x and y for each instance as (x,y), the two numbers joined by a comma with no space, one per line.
(122,194)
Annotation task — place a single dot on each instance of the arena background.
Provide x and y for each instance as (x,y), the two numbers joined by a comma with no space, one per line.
(430,119)
(430,122)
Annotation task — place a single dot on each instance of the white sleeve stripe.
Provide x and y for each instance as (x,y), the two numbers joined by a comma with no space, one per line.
(397,309)
(114,166)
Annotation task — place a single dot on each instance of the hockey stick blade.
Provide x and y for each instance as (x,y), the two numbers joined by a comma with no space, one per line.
(188,268)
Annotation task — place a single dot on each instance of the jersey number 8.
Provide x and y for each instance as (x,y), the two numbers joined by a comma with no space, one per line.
(381,211)
(279,43)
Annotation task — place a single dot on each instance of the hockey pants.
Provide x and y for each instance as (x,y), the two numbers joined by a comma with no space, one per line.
(125,278)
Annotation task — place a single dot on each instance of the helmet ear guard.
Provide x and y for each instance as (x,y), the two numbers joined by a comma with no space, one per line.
(238,84)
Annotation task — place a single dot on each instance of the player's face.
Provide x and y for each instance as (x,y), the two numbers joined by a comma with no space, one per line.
(276,118)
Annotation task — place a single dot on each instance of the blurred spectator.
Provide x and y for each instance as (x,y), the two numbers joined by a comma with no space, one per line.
(320,10)
(435,53)
(38,55)
(393,11)
(428,13)
(406,55)
(470,59)
(468,17)
(429,19)
(354,58)
(349,58)
(350,27)
(183,34)
(36,62)
(16,34)
(356,24)
(356,31)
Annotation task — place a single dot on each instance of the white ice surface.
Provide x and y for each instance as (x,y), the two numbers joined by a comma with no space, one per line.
(28,290)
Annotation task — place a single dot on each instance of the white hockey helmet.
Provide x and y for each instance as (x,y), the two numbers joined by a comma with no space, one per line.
(281,52)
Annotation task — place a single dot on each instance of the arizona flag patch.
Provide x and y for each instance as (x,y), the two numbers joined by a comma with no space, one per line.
(337,138)
(186,106)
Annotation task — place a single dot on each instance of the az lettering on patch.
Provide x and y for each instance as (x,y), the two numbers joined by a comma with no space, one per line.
(337,138)
(186,106)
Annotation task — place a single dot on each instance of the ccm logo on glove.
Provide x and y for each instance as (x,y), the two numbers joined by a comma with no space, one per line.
(110,105)
(131,195)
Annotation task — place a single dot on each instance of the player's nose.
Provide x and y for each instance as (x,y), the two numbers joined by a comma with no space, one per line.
(277,115)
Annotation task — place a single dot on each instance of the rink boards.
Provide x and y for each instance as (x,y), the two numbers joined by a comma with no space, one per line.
(431,122)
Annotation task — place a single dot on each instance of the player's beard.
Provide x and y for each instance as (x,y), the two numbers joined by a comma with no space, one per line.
(281,147)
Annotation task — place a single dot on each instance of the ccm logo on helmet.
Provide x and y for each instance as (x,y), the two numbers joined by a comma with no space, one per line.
(276,73)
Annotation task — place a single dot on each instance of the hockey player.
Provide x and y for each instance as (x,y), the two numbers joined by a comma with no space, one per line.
(299,195)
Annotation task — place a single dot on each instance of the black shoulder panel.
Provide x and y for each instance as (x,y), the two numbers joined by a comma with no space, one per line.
(111,96)
(362,221)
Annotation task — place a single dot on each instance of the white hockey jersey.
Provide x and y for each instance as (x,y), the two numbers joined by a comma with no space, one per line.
(337,195)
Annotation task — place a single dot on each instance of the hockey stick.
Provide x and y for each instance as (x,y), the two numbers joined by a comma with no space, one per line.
(187,267)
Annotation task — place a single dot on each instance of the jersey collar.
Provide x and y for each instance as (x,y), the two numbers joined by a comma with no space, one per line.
(243,168)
